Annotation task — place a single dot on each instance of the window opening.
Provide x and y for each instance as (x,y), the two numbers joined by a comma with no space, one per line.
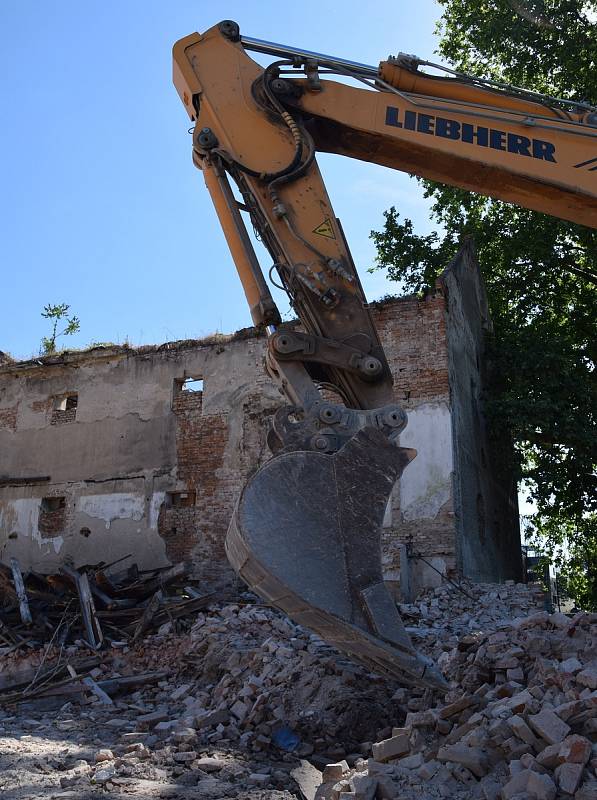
(52,516)
(191,385)
(65,408)
(53,503)
(180,499)
(66,403)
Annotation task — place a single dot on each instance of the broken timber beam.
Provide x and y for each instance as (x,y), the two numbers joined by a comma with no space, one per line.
(95,637)
(104,698)
(17,577)
(148,614)
(97,690)
(10,635)
(128,682)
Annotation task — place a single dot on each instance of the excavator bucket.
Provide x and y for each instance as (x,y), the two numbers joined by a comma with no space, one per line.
(306,537)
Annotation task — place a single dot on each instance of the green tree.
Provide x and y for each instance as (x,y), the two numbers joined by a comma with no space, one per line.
(58,313)
(540,274)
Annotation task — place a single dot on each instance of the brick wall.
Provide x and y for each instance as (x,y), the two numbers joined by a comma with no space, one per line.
(61,416)
(216,453)
(8,418)
(42,406)
(54,521)
(198,533)
(413,333)
(180,528)
(140,438)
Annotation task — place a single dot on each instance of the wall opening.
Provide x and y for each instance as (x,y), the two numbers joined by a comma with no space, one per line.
(188,393)
(65,408)
(50,504)
(52,515)
(192,385)
(180,499)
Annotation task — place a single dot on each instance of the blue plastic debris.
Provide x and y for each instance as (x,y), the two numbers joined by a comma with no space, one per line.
(286,738)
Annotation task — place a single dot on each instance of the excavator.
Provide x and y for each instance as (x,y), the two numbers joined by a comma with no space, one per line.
(306,532)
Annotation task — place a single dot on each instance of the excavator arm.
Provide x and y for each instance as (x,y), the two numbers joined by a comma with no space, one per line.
(306,531)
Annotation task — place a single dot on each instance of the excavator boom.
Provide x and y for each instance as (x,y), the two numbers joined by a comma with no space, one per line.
(306,531)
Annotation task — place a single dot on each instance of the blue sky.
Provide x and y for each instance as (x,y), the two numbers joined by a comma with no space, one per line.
(101,207)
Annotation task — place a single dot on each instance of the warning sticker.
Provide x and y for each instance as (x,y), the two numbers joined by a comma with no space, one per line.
(325,229)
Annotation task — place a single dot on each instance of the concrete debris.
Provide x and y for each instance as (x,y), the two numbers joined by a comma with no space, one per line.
(518,721)
(389,749)
(308,779)
(248,705)
(549,726)
(334,772)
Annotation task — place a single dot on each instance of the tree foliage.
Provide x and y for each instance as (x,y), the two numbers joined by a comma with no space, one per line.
(540,274)
(57,313)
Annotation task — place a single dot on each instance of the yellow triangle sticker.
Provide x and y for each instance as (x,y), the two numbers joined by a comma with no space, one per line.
(325,229)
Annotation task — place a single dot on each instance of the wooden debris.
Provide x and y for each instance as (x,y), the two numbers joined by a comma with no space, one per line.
(21,593)
(148,614)
(126,683)
(93,629)
(88,605)
(97,690)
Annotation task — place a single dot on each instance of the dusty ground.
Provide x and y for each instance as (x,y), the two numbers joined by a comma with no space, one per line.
(239,676)
(53,756)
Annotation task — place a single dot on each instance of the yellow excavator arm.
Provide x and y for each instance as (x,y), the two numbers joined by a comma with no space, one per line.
(306,531)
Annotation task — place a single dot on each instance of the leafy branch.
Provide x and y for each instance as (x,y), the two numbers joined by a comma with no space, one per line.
(58,313)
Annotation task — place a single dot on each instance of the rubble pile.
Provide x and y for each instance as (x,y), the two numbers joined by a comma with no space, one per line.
(263,671)
(227,707)
(256,679)
(520,721)
(441,615)
(90,604)
(245,704)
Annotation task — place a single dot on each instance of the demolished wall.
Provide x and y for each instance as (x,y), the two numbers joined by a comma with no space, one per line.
(485,491)
(105,453)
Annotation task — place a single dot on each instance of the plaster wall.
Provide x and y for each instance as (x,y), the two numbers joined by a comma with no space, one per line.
(136,440)
(485,493)
(426,485)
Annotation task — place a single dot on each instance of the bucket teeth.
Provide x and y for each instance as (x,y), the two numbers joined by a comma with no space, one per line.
(306,537)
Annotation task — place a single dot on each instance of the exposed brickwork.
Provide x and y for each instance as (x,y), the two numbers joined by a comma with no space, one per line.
(52,523)
(64,409)
(186,401)
(41,406)
(214,459)
(179,528)
(8,418)
(62,416)
(413,333)
(53,515)
(209,442)
(198,532)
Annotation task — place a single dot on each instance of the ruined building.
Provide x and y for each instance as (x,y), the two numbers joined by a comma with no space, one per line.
(116,451)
